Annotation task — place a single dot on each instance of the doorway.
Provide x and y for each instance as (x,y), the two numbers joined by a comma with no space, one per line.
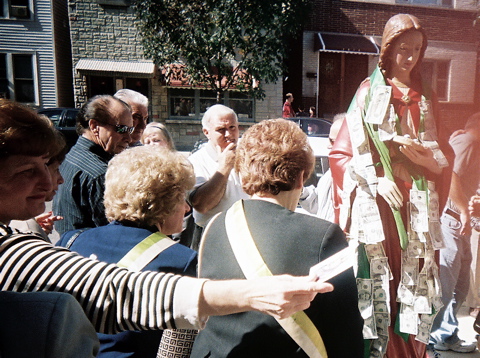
(339,77)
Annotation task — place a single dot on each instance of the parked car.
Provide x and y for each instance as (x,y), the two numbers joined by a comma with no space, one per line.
(64,119)
(317,130)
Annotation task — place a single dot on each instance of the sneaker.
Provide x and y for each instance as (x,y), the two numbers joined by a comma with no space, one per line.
(459,346)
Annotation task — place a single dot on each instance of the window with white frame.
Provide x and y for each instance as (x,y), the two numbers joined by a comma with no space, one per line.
(16,9)
(17,77)
(4,91)
(192,103)
(436,73)
(443,3)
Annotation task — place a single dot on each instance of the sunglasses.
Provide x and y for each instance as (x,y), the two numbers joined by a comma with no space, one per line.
(121,128)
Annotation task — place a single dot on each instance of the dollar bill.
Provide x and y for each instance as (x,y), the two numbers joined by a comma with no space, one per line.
(406,294)
(371,222)
(379,346)
(436,236)
(423,334)
(437,153)
(379,105)
(387,130)
(369,328)
(418,210)
(356,128)
(375,250)
(415,249)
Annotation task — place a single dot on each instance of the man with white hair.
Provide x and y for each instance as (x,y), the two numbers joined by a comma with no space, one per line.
(217,186)
(139,105)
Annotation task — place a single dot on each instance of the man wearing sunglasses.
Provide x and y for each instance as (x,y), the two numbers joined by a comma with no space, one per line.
(104,125)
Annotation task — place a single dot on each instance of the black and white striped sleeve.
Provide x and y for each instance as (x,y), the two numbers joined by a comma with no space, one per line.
(113,298)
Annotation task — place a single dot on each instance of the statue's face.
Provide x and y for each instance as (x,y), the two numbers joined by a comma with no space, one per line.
(406,52)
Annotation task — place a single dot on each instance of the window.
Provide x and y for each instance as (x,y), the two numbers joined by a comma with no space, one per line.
(444,3)
(18,77)
(436,73)
(190,103)
(23,78)
(110,85)
(16,9)
(4,92)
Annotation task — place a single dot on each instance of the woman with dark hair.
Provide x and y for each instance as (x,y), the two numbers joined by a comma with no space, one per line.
(113,298)
(274,160)
(42,225)
(387,167)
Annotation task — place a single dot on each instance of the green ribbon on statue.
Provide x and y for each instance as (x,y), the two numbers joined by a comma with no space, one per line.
(415,171)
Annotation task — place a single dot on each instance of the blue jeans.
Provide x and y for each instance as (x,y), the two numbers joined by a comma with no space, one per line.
(455,261)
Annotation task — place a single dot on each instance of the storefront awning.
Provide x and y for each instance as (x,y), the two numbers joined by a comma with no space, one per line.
(128,68)
(345,43)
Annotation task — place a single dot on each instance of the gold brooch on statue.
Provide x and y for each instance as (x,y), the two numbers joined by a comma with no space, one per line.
(406,99)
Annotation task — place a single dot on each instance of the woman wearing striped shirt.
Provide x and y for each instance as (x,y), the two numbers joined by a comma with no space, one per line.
(113,298)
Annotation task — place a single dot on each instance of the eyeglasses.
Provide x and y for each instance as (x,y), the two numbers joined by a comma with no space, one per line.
(121,128)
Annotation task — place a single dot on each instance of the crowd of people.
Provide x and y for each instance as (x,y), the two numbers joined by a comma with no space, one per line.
(386,230)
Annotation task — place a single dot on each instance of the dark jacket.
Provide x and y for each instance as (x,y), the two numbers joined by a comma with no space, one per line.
(110,244)
(290,243)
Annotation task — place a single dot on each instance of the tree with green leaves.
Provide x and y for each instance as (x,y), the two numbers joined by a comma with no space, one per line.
(220,44)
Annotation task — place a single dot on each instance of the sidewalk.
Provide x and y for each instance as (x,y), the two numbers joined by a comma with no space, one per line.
(466,332)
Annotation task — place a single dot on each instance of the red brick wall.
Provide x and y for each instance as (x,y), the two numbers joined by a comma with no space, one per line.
(355,17)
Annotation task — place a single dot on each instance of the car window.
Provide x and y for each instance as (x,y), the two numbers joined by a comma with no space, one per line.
(53,114)
(317,127)
(70,117)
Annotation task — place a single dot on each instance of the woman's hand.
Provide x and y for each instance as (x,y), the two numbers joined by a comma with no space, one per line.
(421,156)
(277,296)
(47,220)
(390,192)
(281,296)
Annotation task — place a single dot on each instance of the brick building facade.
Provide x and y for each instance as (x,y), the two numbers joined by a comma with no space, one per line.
(107,55)
(452,57)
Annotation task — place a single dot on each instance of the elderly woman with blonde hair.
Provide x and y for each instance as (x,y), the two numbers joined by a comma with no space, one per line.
(144,202)
(274,159)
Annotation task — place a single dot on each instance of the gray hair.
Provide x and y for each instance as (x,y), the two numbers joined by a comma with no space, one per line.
(217,110)
(131,96)
(97,107)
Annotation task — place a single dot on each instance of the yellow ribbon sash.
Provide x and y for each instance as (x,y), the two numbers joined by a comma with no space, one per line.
(145,251)
(298,326)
